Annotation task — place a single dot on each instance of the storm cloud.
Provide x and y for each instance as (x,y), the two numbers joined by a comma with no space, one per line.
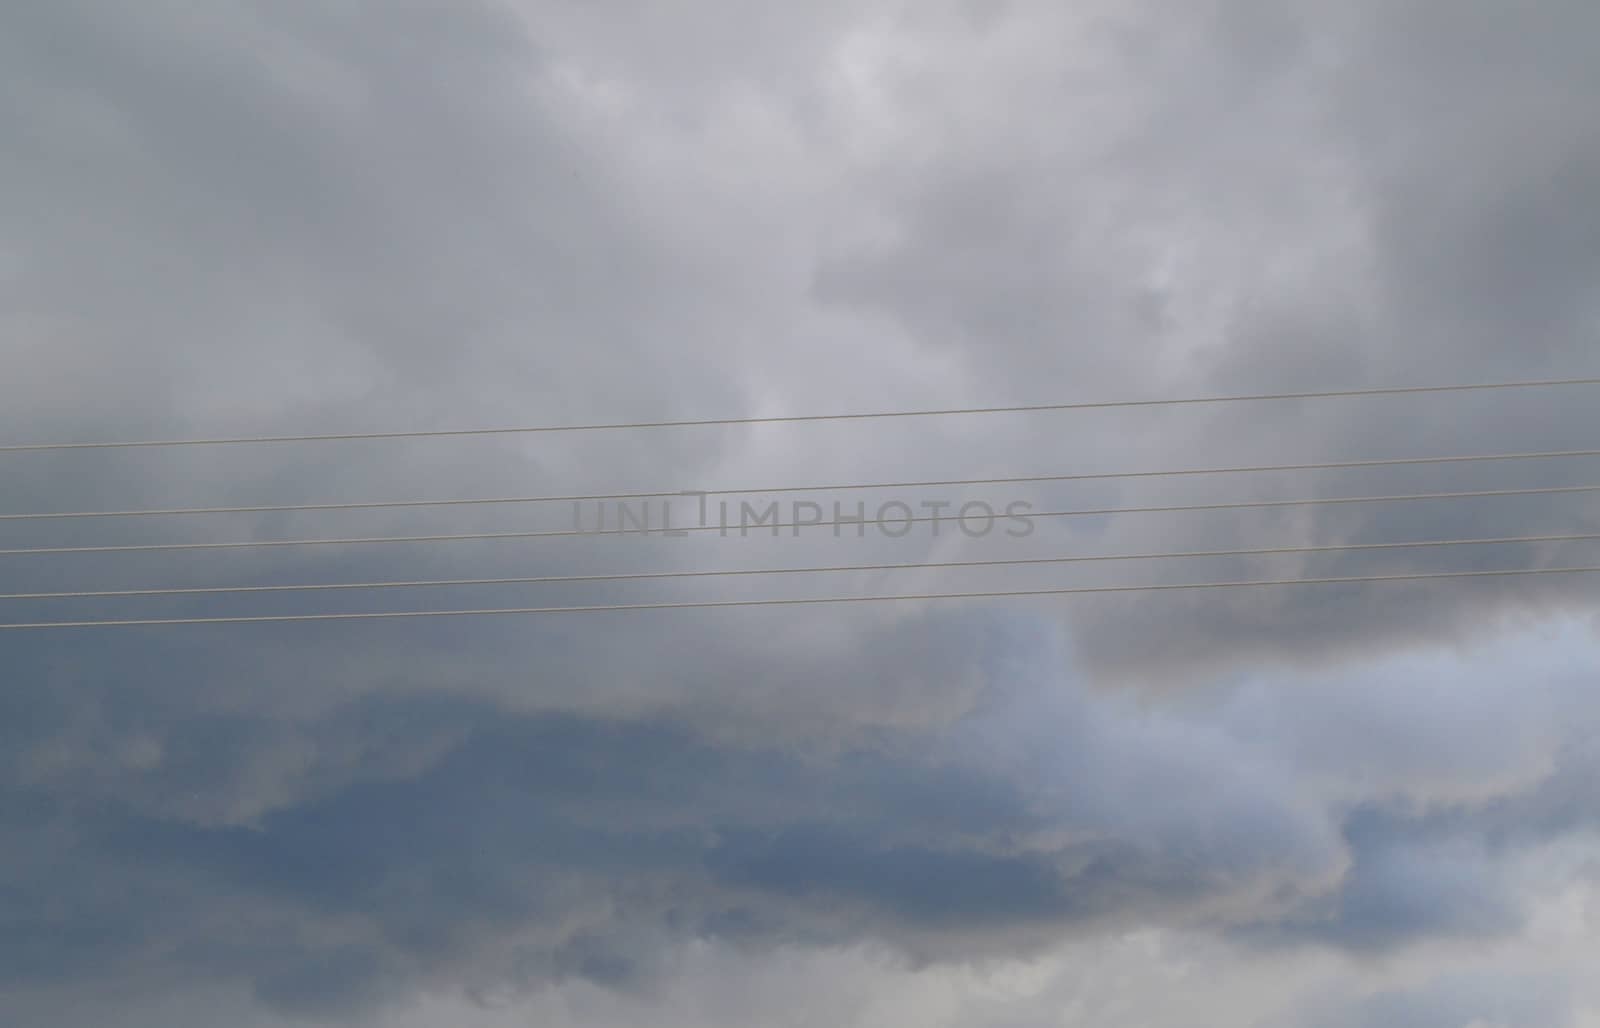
(1351,805)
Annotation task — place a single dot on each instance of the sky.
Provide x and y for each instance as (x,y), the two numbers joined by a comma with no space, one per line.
(1319,806)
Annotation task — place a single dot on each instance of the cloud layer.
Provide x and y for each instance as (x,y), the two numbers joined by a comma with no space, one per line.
(1307,806)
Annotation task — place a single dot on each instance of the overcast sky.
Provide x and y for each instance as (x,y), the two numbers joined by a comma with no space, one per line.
(1331,806)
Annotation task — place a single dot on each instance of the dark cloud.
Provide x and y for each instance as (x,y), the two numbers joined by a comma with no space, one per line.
(303,217)
(537,820)
(421,835)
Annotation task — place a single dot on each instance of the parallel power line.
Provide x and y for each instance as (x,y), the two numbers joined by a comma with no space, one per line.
(786,602)
(845,487)
(776,526)
(798,418)
(638,576)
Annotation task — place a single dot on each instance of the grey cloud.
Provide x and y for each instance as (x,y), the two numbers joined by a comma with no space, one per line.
(1381,205)
(940,847)
(1400,890)
(265,218)
(466,839)
(1505,999)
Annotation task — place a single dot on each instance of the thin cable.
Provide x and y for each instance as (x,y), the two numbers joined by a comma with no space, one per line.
(664,494)
(775,527)
(794,418)
(657,575)
(706,604)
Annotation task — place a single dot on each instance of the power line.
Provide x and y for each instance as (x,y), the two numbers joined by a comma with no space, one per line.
(799,601)
(663,494)
(795,418)
(774,527)
(657,575)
